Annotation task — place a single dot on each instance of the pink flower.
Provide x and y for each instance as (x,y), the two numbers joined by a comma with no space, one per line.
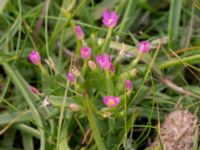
(110,19)
(34,57)
(111,101)
(71,78)
(92,65)
(144,47)
(129,85)
(112,68)
(34,90)
(104,61)
(86,52)
(79,32)
(73,107)
(133,72)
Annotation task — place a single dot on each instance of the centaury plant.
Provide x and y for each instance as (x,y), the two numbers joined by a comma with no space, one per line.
(88,74)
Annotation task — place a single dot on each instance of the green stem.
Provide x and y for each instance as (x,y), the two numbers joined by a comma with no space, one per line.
(84,68)
(125,121)
(134,63)
(63,145)
(61,116)
(145,77)
(174,21)
(46,30)
(60,52)
(107,41)
(43,70)
(93,125)
(174,62)
(5,88)
(29,130)
(136,60)
(126,15)
(59,26)
(109,82)
(78,47)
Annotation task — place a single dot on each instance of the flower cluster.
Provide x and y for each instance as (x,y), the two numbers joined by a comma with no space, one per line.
(109,20)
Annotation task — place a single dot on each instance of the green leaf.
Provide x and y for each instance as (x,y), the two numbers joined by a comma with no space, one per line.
(29,97)
(15,117)
(27,141)
(174,21)
(93,124)
(2,5)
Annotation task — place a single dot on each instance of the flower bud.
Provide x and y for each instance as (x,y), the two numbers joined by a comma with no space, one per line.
(112,68)
(110,19)
(71,78)
(75,71)
(79,32)
(129,85)
(86,52)
(51,63)
(144,47)
(92,65)
(34,90)
(107,114)
(34,58)
(124,75)
(46,102)
(133,72)
(74,107)
(104,61)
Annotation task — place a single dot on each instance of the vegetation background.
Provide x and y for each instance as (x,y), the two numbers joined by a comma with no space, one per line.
(168,77)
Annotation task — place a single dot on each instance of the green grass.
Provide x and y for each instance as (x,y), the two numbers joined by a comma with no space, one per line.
(172,28)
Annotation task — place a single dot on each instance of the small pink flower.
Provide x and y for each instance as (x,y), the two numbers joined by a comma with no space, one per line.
(112,68)
(34,90)
(73,107)
(92,65)
(110,19)
(79,32)
(129,85)
(111,101)
(71,78)
(86,52)
(144,47)
(34,57)
(104,61)
(133,72)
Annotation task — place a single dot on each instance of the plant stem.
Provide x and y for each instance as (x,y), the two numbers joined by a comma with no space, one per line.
(43,70)
(107,40)
(93,125)
(174,62)
(136,60)
(109,82)
(62,109)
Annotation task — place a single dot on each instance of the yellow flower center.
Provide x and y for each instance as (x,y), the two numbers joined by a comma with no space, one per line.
(110,20)
(111,102)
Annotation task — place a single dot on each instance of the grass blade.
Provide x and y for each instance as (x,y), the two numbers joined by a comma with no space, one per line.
(94,127)
(21,84)
(174,20)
